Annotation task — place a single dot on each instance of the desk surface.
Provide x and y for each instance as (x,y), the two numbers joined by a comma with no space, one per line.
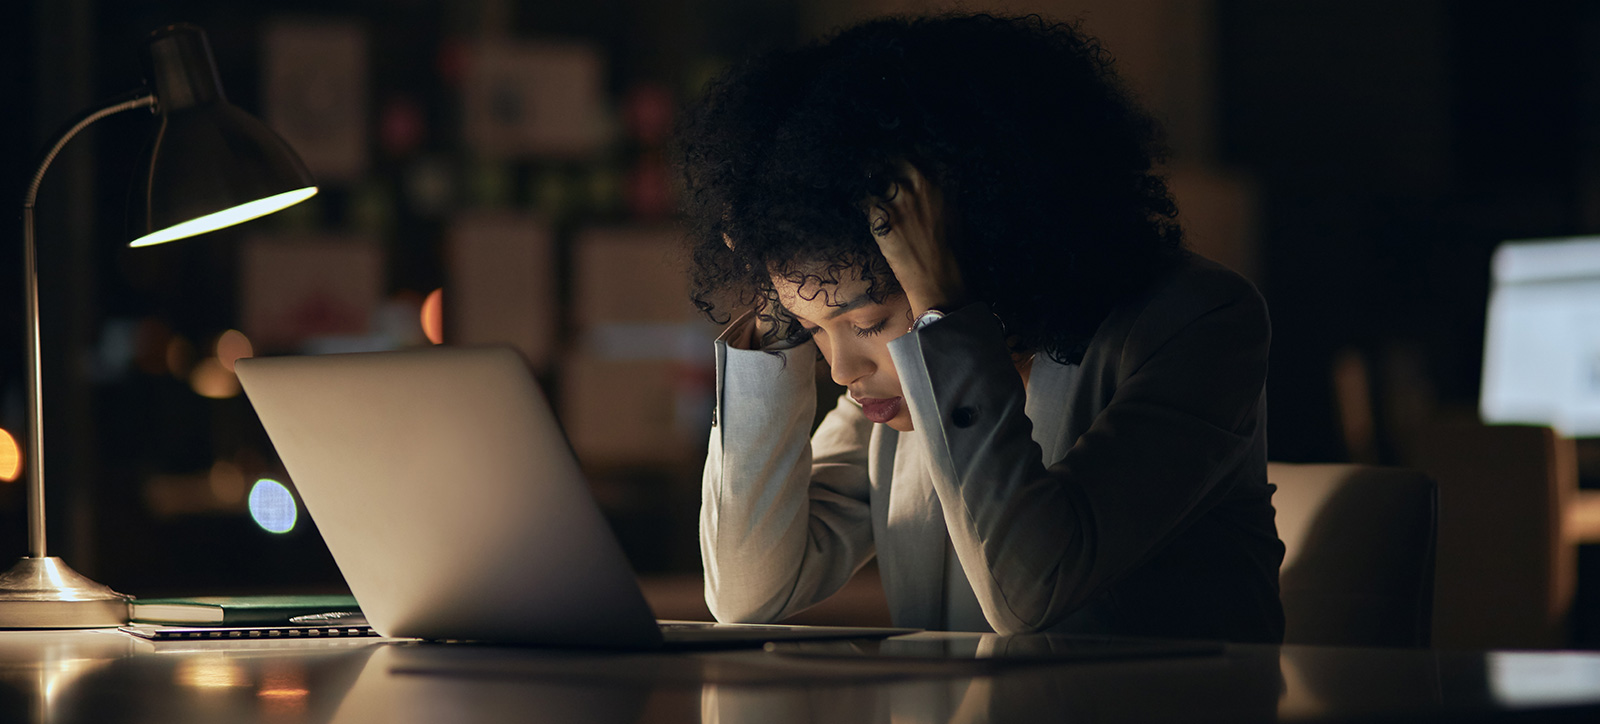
(105,676)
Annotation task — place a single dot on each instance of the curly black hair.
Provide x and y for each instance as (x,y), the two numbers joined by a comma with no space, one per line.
(1046,164)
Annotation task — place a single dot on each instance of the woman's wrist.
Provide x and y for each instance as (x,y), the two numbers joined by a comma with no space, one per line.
(944,301)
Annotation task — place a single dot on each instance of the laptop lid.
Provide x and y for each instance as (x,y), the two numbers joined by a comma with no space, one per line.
(449,497)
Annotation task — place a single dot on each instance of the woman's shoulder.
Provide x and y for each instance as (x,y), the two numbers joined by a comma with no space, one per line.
(1195,288)
(1198,283)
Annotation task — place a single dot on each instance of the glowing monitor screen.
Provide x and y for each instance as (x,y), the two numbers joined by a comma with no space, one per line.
(1541,345)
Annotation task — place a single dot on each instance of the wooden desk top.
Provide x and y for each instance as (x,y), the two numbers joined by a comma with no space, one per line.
(105,676)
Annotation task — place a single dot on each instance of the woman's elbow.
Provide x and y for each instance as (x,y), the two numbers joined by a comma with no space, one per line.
(729,607)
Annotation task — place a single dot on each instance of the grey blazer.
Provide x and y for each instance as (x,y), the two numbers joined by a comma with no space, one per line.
(1126,494)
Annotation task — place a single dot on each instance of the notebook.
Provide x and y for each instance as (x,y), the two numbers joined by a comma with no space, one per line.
(451,502)
(237,610)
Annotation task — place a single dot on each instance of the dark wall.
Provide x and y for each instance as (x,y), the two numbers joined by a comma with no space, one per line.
(1396,144)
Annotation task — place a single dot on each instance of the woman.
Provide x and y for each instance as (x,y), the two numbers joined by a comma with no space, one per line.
(1054,417)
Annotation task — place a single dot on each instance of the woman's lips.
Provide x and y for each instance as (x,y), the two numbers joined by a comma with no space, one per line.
(881,410)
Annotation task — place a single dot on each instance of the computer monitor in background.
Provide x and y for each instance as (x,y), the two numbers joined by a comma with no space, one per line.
(1541,348)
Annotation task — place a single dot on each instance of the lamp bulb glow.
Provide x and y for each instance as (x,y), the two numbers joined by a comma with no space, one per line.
(226,217)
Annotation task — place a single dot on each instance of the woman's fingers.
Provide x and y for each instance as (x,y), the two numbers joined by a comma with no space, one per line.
(908,223)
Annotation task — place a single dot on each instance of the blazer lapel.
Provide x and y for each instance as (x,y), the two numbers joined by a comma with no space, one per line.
(909,531)
(1051,386)
(911,538)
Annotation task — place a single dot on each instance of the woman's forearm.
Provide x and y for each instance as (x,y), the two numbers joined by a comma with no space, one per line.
(780,527)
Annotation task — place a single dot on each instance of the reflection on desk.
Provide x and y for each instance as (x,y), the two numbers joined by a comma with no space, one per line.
(105,676)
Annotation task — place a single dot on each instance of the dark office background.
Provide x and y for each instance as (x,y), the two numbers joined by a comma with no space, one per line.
(1369,154)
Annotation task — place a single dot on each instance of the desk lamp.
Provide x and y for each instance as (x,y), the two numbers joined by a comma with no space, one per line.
(210,165)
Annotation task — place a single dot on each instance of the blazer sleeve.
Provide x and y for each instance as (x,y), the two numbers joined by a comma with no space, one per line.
(1037,542)
(784,520)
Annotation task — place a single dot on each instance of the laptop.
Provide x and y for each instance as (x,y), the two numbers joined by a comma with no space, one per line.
(452,503)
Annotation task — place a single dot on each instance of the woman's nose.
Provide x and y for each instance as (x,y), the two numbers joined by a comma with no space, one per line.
(849,364)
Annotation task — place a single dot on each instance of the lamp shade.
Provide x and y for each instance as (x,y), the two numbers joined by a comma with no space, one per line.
(210,165)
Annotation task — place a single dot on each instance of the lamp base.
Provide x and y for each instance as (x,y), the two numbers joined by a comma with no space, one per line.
(46,593)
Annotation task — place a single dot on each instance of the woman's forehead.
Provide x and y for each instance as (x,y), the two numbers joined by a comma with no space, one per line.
(810,290)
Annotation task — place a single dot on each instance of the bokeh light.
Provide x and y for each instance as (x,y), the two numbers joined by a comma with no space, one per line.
(272,506)
(283,691)
(180,356)
(233,346)
(433,316)
(211,379)
(215,671)
(10,457)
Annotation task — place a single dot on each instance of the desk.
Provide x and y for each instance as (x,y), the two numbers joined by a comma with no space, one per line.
(104,676)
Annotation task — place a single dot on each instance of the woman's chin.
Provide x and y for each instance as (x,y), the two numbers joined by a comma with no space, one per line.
(901,422)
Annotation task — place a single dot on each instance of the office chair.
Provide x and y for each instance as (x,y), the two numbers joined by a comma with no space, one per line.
(1360,548)
(1508,546)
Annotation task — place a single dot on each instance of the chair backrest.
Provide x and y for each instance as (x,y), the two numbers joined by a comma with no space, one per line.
(1359,554)
(1508,565)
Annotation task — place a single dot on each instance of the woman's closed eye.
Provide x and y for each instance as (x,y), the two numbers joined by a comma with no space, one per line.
(874,329)
(808,330)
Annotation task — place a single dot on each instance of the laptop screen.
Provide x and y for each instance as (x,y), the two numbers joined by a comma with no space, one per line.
(1541,350)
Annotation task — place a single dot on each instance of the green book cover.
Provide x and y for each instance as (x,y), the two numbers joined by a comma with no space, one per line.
(235,610)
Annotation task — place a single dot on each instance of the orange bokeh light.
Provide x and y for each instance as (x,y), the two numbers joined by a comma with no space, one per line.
(233,346)
(10,457)
(433,316)
(283,691)
(211,379)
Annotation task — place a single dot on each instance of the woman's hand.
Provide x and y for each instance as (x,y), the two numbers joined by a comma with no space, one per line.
(912,230)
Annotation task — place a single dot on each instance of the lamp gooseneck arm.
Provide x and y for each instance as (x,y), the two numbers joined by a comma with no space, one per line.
(125,102)
(35,457)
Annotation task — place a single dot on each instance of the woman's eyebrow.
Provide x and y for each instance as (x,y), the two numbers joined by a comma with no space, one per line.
(856,303)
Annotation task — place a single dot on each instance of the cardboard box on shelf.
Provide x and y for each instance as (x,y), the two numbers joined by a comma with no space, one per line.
(629,274)
(535,99)
(634,412)
(297,288)
(316,93)
(636,390)
(502,283)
